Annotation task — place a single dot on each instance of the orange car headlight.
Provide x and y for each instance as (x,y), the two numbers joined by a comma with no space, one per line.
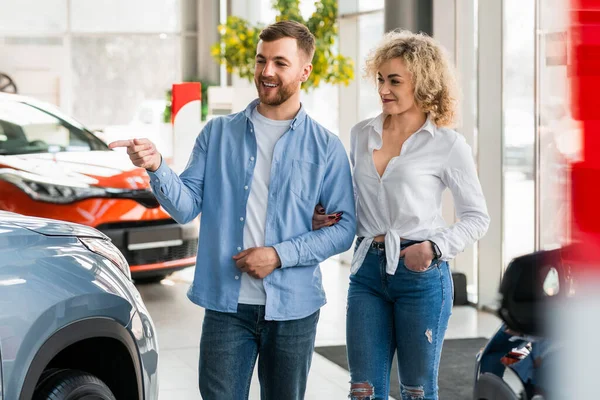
(49,190)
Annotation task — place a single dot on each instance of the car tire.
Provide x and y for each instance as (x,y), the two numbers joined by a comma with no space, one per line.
(492,387)
(70,384)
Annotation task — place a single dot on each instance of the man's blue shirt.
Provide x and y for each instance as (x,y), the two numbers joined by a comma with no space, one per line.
(310,166)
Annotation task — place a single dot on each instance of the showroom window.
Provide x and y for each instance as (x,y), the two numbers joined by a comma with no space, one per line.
(518,128)
(558,134)
(99,61)
(114,74)
(126,54)
(370,28)
(16,16)
(540,136)
(116,16)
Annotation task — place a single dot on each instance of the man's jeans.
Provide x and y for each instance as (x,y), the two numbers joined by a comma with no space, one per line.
(407,312)
(230,345)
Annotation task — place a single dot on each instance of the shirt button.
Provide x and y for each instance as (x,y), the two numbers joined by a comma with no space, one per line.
(237,277)
(251,158)
(242,218)
(164,174)
(245,187)
(239,248)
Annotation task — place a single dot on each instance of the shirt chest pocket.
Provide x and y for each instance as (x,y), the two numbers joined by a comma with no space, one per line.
(305,180)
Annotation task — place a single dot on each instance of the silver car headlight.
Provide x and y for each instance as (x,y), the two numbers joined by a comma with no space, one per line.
(48,189)
(106,249)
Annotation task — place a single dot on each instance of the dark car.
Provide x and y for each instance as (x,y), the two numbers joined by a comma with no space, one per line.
(516,362)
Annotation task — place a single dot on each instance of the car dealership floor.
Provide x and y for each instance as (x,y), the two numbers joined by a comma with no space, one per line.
(179,323)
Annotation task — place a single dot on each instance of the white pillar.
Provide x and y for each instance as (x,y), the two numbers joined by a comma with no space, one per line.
(414,15)
(349,95)
(454,27)
(208,21)
(490,146)
(444,31)
(466,54)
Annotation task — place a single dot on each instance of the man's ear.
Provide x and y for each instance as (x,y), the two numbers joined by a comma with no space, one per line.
(306,72)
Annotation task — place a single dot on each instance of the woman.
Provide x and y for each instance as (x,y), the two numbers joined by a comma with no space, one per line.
(401,293)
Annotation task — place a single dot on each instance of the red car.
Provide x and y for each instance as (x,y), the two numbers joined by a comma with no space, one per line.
(53,167)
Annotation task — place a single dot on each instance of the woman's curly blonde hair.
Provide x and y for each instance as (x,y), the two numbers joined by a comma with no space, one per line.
(432,76)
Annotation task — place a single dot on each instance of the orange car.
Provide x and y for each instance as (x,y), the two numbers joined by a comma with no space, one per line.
(53,167)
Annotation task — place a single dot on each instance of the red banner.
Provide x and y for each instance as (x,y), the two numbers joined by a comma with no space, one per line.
(184,93)
(585,91)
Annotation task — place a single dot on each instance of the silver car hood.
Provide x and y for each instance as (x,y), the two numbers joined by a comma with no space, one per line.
(50,227)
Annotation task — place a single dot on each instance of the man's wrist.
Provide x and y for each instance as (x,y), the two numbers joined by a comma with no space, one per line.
(277,260)
(158,166)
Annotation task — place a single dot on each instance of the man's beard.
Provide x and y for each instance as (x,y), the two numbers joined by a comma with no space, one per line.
(282,94)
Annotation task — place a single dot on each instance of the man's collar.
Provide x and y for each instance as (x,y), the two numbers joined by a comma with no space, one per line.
(296,122)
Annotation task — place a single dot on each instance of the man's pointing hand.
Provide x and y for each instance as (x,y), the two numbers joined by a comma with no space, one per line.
(142,153)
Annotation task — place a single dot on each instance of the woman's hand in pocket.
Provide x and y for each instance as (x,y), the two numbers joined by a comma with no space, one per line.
(418,257)
(321,220)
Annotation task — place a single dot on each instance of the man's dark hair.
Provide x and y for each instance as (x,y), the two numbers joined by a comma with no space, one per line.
(292,29)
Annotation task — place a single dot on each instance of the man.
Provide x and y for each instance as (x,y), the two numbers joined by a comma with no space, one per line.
(257,176)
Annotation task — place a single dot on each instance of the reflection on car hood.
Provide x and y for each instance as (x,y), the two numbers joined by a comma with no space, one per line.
(98,168)
(50,227)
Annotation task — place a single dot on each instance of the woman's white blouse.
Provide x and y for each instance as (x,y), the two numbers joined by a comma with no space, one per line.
(406,201)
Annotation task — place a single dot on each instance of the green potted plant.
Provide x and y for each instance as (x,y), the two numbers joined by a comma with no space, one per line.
(237,48)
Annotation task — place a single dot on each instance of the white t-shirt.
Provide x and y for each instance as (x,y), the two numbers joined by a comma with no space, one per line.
(267,132)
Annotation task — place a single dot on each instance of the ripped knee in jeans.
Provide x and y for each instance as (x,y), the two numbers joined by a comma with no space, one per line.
(413,392)
(361,391)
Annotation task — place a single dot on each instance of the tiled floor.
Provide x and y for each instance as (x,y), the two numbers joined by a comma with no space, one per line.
(179,322)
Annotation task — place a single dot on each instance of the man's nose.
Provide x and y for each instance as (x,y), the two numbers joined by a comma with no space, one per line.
(268,69)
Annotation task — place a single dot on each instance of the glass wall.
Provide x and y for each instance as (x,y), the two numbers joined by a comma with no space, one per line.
(116,16)
(559,140)
(370,31)
(16,16)
(540,136)
(114,74)
(99,61)
(518,127)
